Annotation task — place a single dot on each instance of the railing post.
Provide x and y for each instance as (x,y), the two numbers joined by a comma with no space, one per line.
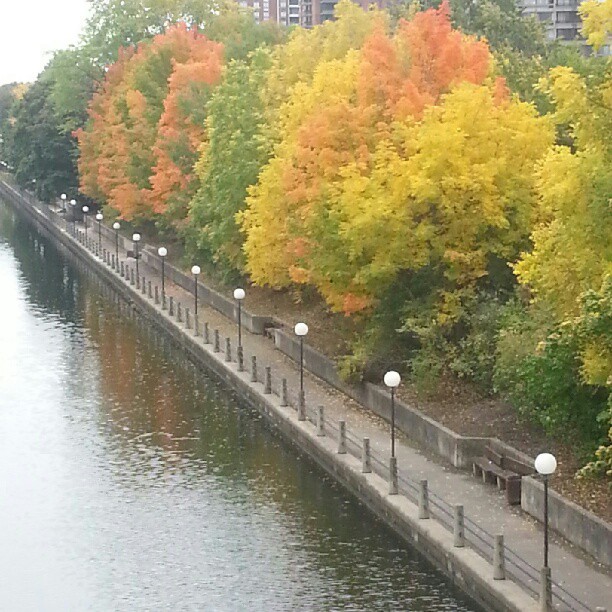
(122,270)
(150,290)
(284,400)
(545,590)
(301,407)
(104,259)
(156,294)
(268,383)
(132,277)
(143,286)
(113,263)
(320,421)
(366,458)
(179,312)
(342,437)
(171,306)
(240,356)
(459,527)
(196,325)
(217,342)
(499,565)
(423,500)
(206,337)
(253,368)
(187,319)
(228,350)
(393,484)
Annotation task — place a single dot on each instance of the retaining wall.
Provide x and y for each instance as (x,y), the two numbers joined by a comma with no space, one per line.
(256,324)
(457,449)
(579,526)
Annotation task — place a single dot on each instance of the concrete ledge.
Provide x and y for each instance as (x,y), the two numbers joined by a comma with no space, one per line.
(457,449)
(256,324)
(577,525)
(462,565)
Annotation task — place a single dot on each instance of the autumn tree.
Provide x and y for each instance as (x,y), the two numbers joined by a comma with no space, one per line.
(596,22)
(181,128)
(145,123)
(405,168)
(572,248)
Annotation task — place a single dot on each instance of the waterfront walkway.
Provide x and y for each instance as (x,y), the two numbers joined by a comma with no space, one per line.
(580,583)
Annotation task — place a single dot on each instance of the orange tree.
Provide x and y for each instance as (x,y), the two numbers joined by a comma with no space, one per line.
(146,122)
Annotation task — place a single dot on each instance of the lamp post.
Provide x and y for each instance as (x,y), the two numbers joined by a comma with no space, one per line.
(195,270)
(545,465)
(116,226)
(239,296)
(301,329)
(73,204)
(99,217)
(162,252)
(63,199)
(136,240)
(392,380)
(85,210)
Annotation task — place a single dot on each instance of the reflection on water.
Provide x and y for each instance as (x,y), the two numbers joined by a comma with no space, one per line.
(132,481)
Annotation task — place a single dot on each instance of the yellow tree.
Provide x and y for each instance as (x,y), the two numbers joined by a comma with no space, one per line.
(449,192)
(400,155)
(572,247)
(596,21)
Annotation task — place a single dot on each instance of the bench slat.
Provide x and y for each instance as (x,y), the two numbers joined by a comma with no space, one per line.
(518,467)
(493,456)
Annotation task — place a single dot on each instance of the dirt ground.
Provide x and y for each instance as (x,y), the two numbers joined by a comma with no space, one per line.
(455,405)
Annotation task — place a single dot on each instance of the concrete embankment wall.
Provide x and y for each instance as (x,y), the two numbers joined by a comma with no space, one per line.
(464,566)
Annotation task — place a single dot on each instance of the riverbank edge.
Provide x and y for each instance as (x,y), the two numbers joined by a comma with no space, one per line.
(463,566)
(574,523)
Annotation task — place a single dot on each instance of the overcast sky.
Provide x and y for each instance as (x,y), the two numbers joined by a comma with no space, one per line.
(31,29)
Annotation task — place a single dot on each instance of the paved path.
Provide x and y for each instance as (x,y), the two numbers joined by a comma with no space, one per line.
(590,584)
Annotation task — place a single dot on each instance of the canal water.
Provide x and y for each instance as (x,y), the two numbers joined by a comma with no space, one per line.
(131,481)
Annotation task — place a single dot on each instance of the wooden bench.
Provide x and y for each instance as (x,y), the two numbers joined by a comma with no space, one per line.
(502,471)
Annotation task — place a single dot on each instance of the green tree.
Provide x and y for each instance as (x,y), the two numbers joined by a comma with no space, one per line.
(37,147)
(230,163)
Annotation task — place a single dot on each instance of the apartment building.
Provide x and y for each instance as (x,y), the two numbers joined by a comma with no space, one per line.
(559,17)
(285,12)
(305,13)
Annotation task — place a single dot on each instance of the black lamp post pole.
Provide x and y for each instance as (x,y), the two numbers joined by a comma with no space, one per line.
(301,366)
(393,421)
(239,322)
(163,283)
(546,521)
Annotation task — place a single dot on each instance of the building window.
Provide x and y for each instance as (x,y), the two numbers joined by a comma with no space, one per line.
(569,34)
(568,17)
